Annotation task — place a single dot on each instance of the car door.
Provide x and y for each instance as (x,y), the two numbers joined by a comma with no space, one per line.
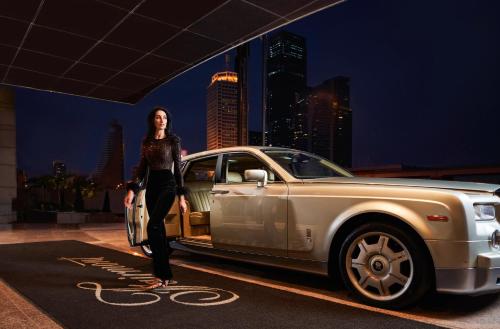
(136,220)
(245,217)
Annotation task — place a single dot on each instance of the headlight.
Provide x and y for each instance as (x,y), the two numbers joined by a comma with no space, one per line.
(484,211)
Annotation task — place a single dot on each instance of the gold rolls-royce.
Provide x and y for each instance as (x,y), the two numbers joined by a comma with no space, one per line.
(389,240)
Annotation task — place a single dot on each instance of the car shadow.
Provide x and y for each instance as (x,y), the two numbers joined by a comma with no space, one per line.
(265,272)
(441,306)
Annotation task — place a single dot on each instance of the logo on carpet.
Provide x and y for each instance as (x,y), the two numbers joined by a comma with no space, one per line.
(137,291)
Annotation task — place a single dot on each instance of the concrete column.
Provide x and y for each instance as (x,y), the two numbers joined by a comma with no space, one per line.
(8,181)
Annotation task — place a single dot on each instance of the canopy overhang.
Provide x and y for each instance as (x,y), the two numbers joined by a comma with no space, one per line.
(120,50)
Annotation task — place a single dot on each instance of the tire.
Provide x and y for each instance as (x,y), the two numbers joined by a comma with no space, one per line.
(385,266)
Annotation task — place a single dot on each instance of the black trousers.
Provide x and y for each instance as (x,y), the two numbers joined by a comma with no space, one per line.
(160,195)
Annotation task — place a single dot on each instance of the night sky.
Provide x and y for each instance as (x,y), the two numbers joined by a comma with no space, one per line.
(425,90)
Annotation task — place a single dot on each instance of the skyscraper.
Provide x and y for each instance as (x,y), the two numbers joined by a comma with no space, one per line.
(285,57)
(110,170)
(222,110)
(241,68)
(329,118)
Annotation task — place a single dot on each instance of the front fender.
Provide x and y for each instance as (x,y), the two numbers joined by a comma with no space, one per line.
(411,212)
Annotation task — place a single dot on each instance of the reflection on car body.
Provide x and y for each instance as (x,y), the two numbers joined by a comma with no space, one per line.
(389,240)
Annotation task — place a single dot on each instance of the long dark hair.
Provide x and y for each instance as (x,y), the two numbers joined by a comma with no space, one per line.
(151,123)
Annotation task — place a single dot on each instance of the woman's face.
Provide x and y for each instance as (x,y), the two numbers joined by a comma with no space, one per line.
(160,120)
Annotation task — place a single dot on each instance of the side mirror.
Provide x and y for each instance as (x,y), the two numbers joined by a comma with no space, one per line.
(258,175)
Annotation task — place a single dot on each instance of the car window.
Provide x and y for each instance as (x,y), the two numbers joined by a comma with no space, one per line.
(235,164)
(306,165)
(201,170)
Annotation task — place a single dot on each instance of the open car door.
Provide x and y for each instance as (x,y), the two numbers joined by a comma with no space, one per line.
(136,222)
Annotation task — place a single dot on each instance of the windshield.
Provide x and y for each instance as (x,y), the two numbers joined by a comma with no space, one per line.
(305,165)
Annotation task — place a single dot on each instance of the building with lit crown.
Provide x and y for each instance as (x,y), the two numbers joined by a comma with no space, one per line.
(222,110)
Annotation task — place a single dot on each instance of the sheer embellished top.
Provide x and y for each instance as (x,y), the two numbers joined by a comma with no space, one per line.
(159,154)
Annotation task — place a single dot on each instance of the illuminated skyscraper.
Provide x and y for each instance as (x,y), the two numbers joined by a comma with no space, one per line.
(222,110)
(110,170)
(285,81)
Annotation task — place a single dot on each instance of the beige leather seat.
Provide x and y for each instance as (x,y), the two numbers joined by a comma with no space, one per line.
(234,177)
(199,202)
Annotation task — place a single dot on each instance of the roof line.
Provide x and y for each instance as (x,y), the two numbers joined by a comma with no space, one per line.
(24,39)
(101,40)
(253,38)
(161,45)
(264,9)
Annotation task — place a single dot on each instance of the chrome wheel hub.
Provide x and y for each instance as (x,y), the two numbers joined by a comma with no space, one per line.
(379,266)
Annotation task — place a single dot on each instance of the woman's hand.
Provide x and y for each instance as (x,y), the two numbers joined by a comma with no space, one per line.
(128,199)
(182,204)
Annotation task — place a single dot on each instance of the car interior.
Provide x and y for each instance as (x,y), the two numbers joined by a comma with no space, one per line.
(199,181)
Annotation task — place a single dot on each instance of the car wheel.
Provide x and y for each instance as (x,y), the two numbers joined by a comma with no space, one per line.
(385,266)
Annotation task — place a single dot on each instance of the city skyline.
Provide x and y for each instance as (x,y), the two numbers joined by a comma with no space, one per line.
(432,85)
(316,119)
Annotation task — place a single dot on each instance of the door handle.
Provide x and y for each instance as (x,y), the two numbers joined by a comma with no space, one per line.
(219,192)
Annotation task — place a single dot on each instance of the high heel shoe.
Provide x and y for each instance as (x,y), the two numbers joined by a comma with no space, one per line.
(170,282)
(157,284)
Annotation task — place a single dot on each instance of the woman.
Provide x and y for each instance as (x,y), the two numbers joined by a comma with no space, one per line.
(160,148)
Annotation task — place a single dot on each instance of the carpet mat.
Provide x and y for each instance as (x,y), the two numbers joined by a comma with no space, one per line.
(80,285)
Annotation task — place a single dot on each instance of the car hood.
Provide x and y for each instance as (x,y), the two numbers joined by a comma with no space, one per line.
(452,185)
